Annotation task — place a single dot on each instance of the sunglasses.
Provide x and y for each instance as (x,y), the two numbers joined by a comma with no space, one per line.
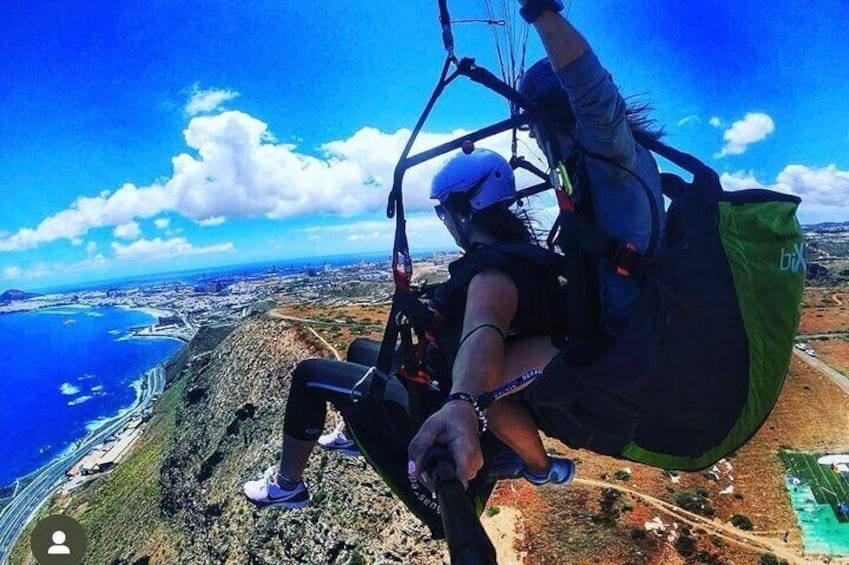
(441,212)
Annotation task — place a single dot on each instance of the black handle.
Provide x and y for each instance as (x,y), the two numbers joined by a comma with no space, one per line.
(468,543)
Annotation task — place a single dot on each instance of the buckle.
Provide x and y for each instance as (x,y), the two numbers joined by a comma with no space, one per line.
(626,259)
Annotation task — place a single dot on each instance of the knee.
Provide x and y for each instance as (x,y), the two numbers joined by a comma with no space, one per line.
(306,370)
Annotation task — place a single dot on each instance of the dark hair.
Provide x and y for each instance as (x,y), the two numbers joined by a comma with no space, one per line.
(541,84)
(643,126)
(497,220)
(501,223)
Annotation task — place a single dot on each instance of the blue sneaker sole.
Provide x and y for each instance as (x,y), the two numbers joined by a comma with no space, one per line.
(282,503)
(349,451)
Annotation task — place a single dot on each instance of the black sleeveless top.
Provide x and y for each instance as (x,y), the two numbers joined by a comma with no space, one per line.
(541,307)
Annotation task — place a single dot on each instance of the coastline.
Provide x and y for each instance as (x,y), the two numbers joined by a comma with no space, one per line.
(95,425)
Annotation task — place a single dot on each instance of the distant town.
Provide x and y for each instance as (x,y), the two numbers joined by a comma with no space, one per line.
(181,306)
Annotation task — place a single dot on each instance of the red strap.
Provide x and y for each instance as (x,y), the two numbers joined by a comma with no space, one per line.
(564,201)
(621,269)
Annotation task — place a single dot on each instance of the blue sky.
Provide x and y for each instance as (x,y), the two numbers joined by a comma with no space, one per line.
(147,137)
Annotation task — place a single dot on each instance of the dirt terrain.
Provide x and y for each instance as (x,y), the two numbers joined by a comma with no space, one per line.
(607,515)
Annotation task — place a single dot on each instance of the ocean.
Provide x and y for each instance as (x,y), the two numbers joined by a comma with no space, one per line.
(64,370)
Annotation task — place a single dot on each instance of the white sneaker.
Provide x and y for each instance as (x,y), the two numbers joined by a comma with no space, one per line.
(338,441)
(266,492)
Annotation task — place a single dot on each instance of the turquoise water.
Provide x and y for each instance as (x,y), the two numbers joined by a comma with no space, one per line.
(821,532)
(63,372)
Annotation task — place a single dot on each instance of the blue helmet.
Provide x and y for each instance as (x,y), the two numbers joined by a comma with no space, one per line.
(483,176)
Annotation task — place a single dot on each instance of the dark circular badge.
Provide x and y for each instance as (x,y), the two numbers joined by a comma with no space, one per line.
(58,540)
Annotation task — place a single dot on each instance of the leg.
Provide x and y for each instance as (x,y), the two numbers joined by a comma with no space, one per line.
(512,424)
(363,351)
(510,421)
(314,383)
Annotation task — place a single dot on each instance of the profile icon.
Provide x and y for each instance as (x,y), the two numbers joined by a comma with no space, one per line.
(58,540)
(59,547)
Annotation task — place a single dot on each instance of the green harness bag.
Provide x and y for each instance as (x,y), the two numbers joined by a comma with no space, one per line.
(704,356)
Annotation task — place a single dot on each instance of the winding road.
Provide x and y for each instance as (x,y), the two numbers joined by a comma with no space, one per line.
(839,378)
(30,498)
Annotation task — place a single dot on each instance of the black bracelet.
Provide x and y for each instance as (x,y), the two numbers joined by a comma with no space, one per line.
(535,8)
(483,425)
(480,327)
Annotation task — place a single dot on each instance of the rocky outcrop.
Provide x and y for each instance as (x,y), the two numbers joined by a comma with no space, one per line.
(229,429)
(13,294)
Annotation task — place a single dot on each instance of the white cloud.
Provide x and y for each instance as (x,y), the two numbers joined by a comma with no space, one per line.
(130,230)
(158,248)
(92,262)
(205,101)
(691,119)
(77,241)
(425,228)
(12,272)
(162,223)
(115,209)
(238,170)
(741,180)
(824,190)
(825,186)
(372,236)
(214,221)
(91,248)
(753,128)
(715,122)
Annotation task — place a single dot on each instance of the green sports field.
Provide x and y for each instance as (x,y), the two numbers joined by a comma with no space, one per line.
(827,486)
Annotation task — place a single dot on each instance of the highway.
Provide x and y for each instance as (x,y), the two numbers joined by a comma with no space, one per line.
(47,479)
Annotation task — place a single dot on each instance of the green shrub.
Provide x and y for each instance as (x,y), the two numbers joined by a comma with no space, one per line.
(622,475)
(492,511)
(768,559)
(685,545)
(695,501)
(741,521)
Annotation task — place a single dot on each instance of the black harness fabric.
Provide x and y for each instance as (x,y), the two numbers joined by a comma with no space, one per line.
(381,425)
(676,379)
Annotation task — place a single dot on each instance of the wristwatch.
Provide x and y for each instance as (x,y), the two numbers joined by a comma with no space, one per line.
(534,9)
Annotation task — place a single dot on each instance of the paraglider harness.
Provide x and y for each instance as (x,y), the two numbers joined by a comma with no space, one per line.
(719,306)
(574,232)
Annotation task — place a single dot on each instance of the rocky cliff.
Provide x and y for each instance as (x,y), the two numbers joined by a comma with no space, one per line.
(177,499)
(228,430)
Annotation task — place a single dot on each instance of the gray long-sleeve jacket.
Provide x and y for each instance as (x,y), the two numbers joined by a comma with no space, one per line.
(621,204)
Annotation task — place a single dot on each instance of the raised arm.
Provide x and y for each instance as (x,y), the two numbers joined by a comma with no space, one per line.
(601,125)
(562,42)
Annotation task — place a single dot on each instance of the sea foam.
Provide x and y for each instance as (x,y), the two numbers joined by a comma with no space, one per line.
(68,389)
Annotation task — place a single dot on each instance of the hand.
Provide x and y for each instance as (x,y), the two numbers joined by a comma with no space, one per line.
(455,426)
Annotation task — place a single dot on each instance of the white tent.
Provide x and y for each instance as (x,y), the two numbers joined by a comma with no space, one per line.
(833,459)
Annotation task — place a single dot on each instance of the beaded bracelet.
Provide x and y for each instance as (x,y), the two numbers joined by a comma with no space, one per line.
(483,425)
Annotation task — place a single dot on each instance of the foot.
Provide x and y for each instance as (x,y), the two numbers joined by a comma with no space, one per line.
(337,440)
(505,465)
(267,491)
(561,472)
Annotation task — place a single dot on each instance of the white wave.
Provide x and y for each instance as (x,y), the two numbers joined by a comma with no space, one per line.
(68,389)
(95,425)
(79,400)
(94,314)
(155,312)
(97,388)
(114,332)
(85,377)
